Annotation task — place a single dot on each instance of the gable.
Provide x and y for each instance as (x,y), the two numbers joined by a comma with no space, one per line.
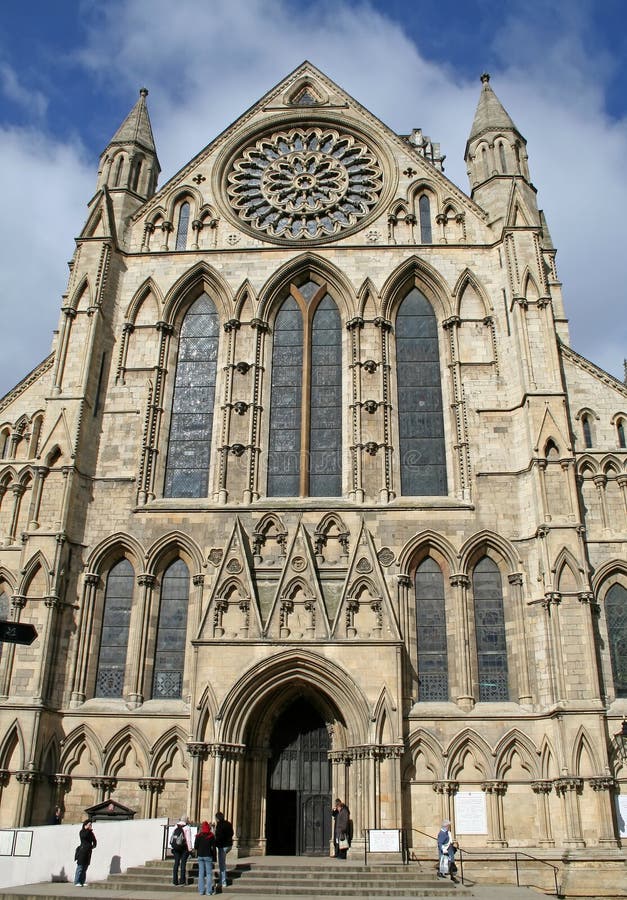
(304,166)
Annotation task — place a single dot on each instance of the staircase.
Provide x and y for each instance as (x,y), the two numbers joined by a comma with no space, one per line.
(295,877)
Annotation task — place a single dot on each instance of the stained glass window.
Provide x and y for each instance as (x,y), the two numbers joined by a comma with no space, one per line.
(616,618)
(490,632)
(116,619)
(181,232)
(431,632)
(171,632)
(187,468)
(620,430)
(420,419)
(424,209)
(5,610)
(306,376)
(587,431)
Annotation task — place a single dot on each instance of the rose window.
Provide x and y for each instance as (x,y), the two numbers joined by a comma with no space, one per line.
(305,183)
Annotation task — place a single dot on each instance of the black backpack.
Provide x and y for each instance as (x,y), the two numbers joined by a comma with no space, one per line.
(177,841)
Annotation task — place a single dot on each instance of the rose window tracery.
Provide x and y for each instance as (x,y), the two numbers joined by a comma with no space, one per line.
(305,183)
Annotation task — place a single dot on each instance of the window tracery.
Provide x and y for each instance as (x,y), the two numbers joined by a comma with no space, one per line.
(431,632)
(304,183)
(490,632)
(169,665)
(116,619)
(616,619)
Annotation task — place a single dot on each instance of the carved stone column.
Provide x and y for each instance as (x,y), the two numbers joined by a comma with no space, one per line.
(465,698)
(447,791)
(152,788)
(622,483)
(568,789)
(63,341)
(198,751)
(41,473)
(18,602)
(495,791)
(26,778)
(82,646)
(61,784)
(105,787)
(600,481)
(542,789)
(138,641)
(18,492)
(254,823)
(46,634)
(228,761)
(605,789)
(590,610)
(524,680)
(551,603)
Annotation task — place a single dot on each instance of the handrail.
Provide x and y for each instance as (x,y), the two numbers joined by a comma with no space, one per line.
(515,853)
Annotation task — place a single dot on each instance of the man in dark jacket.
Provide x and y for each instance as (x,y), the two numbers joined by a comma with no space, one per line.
(224,842)
(82,856)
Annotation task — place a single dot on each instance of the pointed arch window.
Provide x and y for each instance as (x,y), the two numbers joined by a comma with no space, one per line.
(620,433)
(183,227)
(189,448)
(431,632)
(502,158)
(424,212)
(5,441)
(420,417)
(616,619)
(305,434)
(118,171)
(137,167)
(492,668)
(167,682)
(116,619)
(587,430)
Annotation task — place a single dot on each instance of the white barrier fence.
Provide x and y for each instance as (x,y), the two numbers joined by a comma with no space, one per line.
(46,853)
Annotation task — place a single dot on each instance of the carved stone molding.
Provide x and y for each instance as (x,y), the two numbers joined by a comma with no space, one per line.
(154,785)
(446,787)
(603,783)
(104,783)
(568,784)
(542,787)
(494,787)
(198,749)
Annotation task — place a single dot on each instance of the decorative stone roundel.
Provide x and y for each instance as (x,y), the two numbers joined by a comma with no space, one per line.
(304,183)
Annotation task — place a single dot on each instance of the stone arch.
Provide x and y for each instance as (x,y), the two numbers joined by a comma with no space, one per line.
(487,543)
(111,549)
(367,298)
(582,747)
(201,277)
(568,574)
(611,465)
(117,747)
(35,564)
(12,740)
(208,710)
(341,289)
(285,675)
(82,290)
(422,741)
(415,272)
(81,738)
(49,755)
(164,750)
(148,287)
(245,298)
(423,544)
(548,759)
(516,742)
(180,195)
(530,288)
(8,578)
(468,742)
(468,280)
(382,718)
(609,573)
(174,544)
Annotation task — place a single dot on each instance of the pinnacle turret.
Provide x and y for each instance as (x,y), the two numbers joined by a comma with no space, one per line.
(490,114)
(129,162)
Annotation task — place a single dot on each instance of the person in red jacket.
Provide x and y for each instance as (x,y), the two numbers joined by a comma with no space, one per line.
(205,847)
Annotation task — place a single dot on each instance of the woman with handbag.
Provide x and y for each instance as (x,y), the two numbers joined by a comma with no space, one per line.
(341,829)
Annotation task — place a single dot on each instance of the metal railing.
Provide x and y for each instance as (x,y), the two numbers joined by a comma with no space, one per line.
(513,857)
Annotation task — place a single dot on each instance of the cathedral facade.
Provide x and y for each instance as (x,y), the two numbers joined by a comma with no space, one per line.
(312,498)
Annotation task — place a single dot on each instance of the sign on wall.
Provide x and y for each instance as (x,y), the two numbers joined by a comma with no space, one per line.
(470,813)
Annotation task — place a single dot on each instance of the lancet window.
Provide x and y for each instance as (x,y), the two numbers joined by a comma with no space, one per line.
(492,668)
(431,632)
(305,428)
(116,618)
(616,620)
(183,227)
(424,212)
(420,416)
(189,448)
(167,682)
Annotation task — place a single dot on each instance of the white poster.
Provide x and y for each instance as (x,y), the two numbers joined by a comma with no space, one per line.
(384,840)
(470,813)
(23,843)
(6,843)
(621,810)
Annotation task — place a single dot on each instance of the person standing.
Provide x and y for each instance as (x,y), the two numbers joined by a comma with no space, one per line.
(341,828)
(181,846)
(446,850)
(82,856)
(205,847)
(57,816)
(224,842)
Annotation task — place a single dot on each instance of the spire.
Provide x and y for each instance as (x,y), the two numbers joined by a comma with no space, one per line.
(129,163)
(136,128)
(490,114)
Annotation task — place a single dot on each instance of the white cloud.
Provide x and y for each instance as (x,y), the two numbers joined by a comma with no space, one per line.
(44,187)
(206,63)
(34,102)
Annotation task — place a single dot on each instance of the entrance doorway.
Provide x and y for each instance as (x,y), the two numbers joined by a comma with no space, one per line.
(298,819)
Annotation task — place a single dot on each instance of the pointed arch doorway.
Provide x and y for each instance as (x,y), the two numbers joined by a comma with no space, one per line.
(298,819)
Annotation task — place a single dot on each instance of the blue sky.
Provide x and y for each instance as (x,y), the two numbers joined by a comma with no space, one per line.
(70,71)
